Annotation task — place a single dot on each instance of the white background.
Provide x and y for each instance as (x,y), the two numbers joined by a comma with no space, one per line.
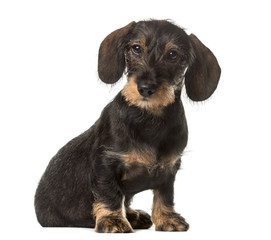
(50,93)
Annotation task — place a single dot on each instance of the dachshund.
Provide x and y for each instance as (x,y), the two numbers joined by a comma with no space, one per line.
(137,142)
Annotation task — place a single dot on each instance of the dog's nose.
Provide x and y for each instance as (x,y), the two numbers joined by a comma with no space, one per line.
(146,90)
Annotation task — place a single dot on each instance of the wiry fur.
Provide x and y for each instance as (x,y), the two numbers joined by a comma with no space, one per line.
(137,142)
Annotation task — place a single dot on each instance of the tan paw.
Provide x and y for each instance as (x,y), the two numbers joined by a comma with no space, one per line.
(113,224)
(171,222)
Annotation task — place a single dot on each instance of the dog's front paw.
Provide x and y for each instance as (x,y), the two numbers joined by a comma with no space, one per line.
(113,224)
(171,222)
(138,219)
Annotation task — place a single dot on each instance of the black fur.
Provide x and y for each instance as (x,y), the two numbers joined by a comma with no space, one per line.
(91,168)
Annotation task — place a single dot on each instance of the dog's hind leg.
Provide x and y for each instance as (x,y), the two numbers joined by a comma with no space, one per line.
(51,217)
(48,217)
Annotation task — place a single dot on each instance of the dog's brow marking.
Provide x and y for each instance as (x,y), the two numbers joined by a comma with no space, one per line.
(155,104)
(170,46)
(141,42)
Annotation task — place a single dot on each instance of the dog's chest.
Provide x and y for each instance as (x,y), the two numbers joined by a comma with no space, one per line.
(144,170)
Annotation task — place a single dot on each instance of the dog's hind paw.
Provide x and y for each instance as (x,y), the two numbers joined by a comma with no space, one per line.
(138,219)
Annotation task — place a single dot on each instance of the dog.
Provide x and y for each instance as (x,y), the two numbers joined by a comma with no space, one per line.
(137,142)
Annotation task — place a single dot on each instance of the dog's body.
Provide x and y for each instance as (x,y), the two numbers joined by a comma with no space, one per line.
(137,142)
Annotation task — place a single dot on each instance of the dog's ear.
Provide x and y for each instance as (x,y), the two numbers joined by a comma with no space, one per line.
(203,74)
(111,60)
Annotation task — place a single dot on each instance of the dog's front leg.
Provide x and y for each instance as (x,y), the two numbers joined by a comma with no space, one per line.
(108,208)
(110,220)
(163,215)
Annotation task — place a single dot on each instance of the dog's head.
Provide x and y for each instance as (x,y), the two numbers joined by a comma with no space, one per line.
(159,57)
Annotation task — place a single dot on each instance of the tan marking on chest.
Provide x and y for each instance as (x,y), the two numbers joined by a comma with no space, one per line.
(141,156)
(144,158)
(169,161)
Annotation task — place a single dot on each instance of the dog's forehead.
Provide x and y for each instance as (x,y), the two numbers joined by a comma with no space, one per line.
(158,32)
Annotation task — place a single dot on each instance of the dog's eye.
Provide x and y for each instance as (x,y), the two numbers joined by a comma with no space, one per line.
(172,55)
(136,49)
